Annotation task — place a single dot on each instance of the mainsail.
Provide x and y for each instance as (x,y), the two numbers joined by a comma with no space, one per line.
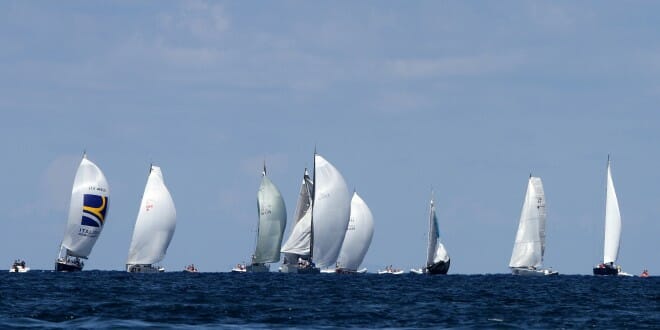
(88,209)
(155,223)
(436,251)
(330,213)
(612,221)
(358,235)
(272,221)
(529,246)
(298,242)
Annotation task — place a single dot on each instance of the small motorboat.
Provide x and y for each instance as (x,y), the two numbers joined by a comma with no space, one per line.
(417,271)
(645,273)
(191,269)
(391,271)
(240,268)
(19,267)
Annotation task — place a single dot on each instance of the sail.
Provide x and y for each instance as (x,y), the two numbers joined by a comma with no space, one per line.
(436,251)
(272,221)
(330,212)
(300,237)
(612,221)
(529,246)
(88,209)
(358,235)
(155,223)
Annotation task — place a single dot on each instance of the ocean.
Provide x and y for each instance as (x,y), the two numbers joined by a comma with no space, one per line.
(115,299)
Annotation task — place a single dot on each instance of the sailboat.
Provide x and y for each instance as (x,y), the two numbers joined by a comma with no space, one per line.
(87,215)
(154,226)
(270,228)
(322,217)
(529,247)
(612,230)
(358,236)
(437,258)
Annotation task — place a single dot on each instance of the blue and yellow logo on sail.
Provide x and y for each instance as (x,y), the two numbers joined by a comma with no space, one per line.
(94,208)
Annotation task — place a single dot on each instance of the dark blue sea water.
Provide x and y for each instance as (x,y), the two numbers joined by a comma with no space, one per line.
(112,299)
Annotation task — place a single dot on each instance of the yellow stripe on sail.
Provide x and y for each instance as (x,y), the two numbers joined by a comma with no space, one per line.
(97,210)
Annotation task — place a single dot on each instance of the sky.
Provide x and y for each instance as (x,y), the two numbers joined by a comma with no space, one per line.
(463,97)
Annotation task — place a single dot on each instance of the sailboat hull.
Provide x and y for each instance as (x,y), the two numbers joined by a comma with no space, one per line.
(606,270)
(257,268)
(532,272)
(144,269)
(61,266)
(438,268)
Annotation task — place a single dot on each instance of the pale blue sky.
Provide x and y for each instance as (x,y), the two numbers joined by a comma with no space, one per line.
(467,97)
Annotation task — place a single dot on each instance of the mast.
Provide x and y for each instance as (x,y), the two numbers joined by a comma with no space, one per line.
(311,238)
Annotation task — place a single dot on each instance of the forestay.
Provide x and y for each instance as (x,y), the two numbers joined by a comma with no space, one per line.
(88,209)
(155,222)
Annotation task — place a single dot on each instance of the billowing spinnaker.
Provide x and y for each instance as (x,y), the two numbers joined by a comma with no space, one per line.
(272,221)
(330,213)
(529,246)
(88,210)
(358,235)
(612,221)
(155,222)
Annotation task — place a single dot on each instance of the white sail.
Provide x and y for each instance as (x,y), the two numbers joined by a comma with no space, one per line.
(298,242)
(529,246)
(272,221)
(88,209)
(330,213)
(155,223)
(612,221)
(358,235)
(436,251)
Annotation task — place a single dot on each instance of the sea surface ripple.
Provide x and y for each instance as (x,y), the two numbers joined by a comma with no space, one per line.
(114,299)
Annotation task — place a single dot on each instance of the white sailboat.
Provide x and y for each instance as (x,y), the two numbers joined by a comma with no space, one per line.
(612,231)
(358,236)
(328,220)
(154,226)
(87,215)
(529,247)
(437,258)
(270,228)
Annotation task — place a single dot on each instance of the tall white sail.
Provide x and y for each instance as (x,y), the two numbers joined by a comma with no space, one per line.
(358,235)
(436,251)
(155,223)
(612,221)
(87,211)
(272,221)
(298,242)
(529,246)
(330,213)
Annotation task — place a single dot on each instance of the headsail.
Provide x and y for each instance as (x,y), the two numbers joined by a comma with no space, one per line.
(330,212)
(612,221)
(299,239)
(358,235)
(272,221)
(436,251)
(155,222)
(529,246)
(88,209)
